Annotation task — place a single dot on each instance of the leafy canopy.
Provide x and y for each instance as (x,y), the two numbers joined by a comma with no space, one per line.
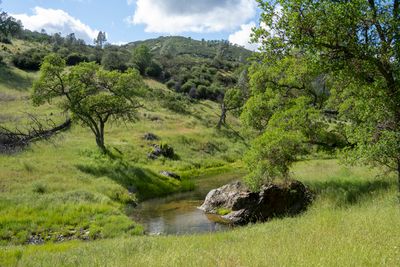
(350,52)
(93,95)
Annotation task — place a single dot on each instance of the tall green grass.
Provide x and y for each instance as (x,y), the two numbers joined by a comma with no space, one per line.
(336,231)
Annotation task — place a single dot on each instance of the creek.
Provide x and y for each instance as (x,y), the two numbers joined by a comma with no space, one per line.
(178,213)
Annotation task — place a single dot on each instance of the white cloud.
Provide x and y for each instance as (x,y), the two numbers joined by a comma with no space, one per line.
(119,43)
(176,16)
(56,20)
(242,37)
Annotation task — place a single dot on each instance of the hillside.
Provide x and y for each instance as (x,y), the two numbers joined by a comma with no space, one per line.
(194,48)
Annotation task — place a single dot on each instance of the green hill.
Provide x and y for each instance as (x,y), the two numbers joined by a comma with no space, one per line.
(194,48)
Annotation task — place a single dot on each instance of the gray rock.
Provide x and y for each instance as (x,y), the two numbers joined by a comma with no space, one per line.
(273,200)
(150,137)
(170,174)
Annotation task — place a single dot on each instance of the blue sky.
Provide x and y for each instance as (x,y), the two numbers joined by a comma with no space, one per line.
(130,20)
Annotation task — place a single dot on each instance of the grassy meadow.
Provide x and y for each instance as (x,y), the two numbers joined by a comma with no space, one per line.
(63,192)
(353,222)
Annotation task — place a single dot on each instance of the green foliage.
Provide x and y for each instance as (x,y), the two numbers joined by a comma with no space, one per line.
(101,39)
(113,60)
(75,58)
(286,112)
(223,211)
(174,102)
(234,99)
(39,188)
(91,94)
(30,59)
(9,27)
(142,58)
(188,65)
(356,44)
(154,70)
(174,46)
(271,156)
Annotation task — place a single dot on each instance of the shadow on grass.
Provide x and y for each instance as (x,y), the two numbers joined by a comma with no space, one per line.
(13,79)
(233,134)
(144,183)
(346,193)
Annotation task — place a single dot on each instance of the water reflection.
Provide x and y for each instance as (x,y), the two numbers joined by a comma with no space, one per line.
(176,217)
(178,214)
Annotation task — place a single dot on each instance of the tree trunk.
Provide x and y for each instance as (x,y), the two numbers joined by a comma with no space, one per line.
(100,139)
(222,117)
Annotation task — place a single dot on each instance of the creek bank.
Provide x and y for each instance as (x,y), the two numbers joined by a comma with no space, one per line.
(241,206)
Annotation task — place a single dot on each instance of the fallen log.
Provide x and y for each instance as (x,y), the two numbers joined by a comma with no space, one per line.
(15,140)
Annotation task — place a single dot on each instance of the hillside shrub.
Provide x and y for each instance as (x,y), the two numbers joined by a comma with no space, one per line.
(175,102)
(114,61)
(170,84)
(75,58)
(154,70)
(30,59)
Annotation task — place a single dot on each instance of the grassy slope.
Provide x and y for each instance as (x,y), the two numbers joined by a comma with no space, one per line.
(64,187)
(353,222)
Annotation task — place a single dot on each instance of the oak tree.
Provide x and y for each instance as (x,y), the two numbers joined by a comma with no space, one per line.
(91,94)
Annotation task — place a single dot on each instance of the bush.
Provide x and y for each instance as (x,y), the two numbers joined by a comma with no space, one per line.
(175,102)
(114,61)
(39,188)
(95,58)
(30,59)
(170,84)
(75,58)
(154,70)
(188,86)
(202,92)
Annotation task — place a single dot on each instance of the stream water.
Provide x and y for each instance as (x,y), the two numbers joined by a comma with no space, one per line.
(178,214)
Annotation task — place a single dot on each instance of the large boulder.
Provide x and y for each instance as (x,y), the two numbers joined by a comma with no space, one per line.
(238,205)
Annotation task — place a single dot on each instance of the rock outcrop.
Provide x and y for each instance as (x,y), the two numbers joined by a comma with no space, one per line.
(170,174)
(241,206)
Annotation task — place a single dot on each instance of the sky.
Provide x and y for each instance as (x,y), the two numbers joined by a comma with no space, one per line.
(130,20)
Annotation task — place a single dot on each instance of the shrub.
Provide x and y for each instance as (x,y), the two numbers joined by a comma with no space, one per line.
(75,58)
(39,188)
(154,70)
(114,61)
(170,84)
(30,59)
(187,86)
(202,92)
(175,102)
